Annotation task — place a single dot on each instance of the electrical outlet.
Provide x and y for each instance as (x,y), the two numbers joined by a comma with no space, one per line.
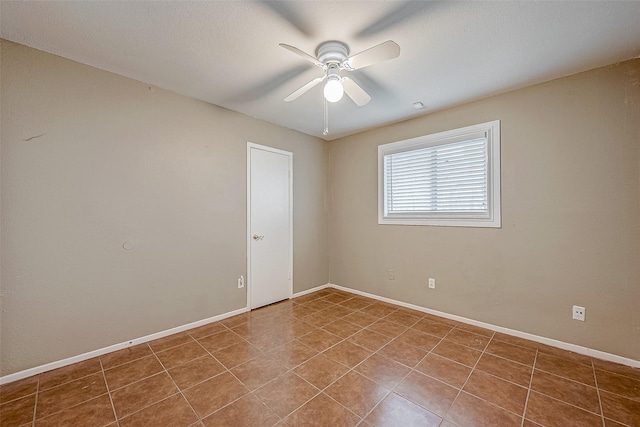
(432,283)
(578,312)
(240,282)
(391,274)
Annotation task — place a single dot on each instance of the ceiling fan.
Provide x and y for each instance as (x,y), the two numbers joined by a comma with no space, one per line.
(333,57)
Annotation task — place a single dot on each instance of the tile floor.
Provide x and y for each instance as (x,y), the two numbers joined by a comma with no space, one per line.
(335,359)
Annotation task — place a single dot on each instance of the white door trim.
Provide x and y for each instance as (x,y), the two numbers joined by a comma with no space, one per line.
(289,154)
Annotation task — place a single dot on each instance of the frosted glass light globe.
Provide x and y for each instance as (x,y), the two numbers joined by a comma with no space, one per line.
(333,90)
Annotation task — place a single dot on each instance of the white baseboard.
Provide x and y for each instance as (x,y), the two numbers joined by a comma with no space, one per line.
(548,341)
(75,359)
(309,291)
(91,354)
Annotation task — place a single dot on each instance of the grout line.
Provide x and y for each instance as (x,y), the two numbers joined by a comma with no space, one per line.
(166,371)
(180,391)
(104,377)
(595,378)
(360,419)
(128,360)
(635,377)
(352,369)
(280,419)
(38,391)
(503,379)
(66,382)
(411,370)
(470,373)
(252,392)
(483,372)
(567,403)
(566,378)
(514,361)
(222,407)
(302,404)
(226,370)
(530,381)
(35,403)
(526,401)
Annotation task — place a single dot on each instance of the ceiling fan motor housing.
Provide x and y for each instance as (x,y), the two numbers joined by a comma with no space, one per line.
(332,52)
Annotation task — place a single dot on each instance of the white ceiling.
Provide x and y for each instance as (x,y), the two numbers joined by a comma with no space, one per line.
(227,53)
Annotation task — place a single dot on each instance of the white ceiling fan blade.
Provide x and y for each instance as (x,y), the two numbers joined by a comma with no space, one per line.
(379,53)
(355,92)
(304,88)
(302,54)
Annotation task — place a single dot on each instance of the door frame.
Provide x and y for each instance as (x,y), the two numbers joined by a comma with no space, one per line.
(249,283)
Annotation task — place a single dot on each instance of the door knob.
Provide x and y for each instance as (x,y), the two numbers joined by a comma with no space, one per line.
(256,237)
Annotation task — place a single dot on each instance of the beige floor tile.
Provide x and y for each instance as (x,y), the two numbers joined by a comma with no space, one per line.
(330,358)
(246,411)
(211,395)
(395,410)
(550,412)
(357,393)
(321,411)
(286,393)
(139,395)
(468,410)
(427,392)
(94,412)
(195,372)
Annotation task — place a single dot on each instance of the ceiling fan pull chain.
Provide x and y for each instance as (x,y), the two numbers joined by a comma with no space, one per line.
(325,132)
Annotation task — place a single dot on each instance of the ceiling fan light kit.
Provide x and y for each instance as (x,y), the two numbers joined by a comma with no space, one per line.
(333,57)
(333,89)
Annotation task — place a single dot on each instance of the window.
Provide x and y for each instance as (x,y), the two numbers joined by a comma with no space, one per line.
(450,179)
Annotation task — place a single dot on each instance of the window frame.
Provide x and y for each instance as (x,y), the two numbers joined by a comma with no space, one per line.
(492,219)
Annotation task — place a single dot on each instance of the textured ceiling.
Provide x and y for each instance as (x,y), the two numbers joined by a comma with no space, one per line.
(227,53)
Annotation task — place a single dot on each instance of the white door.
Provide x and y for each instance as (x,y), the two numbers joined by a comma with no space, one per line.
(270,258)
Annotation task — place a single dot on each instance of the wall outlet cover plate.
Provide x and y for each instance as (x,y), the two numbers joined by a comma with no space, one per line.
(578,312)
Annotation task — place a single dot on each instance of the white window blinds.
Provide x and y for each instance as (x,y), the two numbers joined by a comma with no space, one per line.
(442,178)
(450,178)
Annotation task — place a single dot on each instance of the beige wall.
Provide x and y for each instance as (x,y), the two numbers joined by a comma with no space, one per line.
(570,207)
(120,161)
